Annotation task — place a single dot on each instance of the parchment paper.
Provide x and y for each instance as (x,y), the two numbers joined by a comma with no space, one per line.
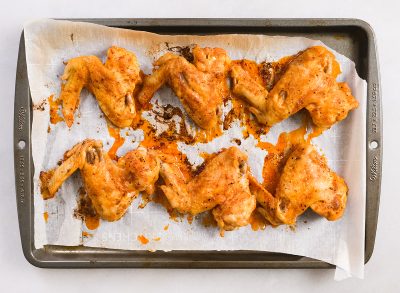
(49,43)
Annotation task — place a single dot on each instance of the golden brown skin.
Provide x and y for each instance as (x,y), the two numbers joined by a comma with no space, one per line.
(306,182)
(112,84)
(309,82)
(267,201)
(110,185)
(222,186)
(247,83)
(201,86)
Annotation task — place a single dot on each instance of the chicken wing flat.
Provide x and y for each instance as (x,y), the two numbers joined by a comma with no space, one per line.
(309,82)
(306,182)
(112,84)
(222,186)
(201,86)
(111,186)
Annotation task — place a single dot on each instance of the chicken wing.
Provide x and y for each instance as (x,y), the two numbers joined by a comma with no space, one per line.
(201,86)
(309,82)
(113,85)
(111,186)
(306,181)
(222,186)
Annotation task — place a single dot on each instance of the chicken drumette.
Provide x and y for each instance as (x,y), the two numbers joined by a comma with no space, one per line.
(201,86)
(309,82)
(113,85)
(110,185)
(222,187)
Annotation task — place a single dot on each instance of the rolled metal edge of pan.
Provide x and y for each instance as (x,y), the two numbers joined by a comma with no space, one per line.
(22,157)
(374,143)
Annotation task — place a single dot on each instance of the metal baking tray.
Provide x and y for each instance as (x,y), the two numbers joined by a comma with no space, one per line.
(351,37)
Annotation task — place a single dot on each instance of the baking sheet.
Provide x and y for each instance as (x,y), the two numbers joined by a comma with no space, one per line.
(48,43)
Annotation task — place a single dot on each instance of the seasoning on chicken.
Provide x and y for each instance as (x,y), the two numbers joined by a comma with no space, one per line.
(113,84)
(222,187)
(309,82)
(201,86)
(110,185)
(306,182)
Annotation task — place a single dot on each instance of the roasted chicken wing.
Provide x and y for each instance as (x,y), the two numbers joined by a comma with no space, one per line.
(309,82)
(306,182)
(113,85)
(201,86)
(222,186)
(111,186)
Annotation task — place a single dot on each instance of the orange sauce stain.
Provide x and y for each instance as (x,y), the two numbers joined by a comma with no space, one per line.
(189,219)
(92,222)
(257,221)
(46,216)
(277,155)
(157,239)
(166,227)
(44,182)
(317,131)
(142,239)
(146,198)
(86,234)
(206,135)
(54,106)
(118,141)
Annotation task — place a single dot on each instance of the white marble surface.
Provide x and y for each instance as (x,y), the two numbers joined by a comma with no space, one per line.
(17,275)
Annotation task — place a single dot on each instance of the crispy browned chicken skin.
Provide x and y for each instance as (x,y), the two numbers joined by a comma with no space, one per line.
(308,82)
(110,185)
(112,84)
(306,182)
(201,86)
(222,187)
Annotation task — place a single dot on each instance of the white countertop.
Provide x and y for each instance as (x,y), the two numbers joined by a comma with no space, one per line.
(17,275)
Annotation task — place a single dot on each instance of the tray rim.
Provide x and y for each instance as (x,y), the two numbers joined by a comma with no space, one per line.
(23,164)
